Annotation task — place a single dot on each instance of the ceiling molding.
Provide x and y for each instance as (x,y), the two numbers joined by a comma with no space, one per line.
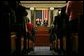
(43,5)
(43,2)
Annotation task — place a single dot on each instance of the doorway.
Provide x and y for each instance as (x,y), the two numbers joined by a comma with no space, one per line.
(41,17)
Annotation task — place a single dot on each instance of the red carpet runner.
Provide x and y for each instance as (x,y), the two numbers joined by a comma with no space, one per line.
(42,36)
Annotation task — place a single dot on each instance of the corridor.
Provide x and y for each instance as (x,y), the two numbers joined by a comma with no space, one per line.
(40,27)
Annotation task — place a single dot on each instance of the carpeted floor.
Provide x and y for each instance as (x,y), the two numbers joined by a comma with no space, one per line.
(42,36)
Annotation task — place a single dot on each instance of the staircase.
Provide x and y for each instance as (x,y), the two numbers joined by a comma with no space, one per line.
(42,36)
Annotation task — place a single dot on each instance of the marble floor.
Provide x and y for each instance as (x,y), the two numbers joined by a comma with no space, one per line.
(42,51)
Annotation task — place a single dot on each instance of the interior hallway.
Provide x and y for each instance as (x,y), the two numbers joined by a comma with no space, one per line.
(13,39)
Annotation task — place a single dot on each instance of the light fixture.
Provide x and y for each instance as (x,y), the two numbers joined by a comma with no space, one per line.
(51,8)
(31,8)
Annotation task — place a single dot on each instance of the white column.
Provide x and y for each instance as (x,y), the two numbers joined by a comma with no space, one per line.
(49,19)
(32,14)
(42,16)
(51,9)
(55,13)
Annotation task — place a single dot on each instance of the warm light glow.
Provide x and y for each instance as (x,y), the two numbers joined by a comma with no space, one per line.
(51,8)
(31,8)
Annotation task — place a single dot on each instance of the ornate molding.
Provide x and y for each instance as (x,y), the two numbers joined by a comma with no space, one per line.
(43,2)
(43,5)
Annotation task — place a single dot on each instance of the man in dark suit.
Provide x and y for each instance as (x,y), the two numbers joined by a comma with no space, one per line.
(58,31)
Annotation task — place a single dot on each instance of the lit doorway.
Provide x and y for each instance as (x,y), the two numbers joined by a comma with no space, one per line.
(41,17)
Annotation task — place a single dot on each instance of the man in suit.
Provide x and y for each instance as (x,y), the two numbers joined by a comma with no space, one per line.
(58,31)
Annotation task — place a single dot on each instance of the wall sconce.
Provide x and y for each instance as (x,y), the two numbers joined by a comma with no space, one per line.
(51,8)
(31,8)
